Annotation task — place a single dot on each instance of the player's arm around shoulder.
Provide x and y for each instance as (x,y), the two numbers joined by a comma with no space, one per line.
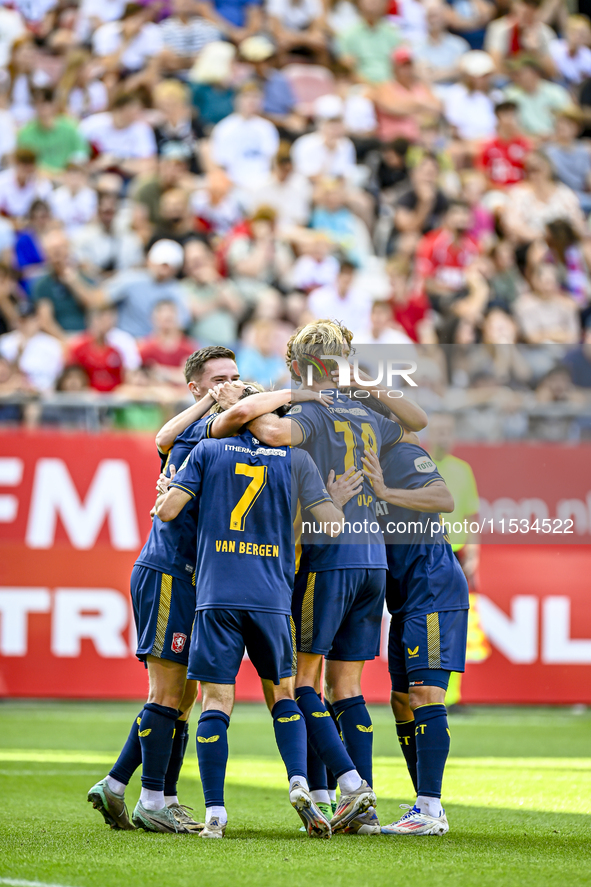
(431,496)
(184,487)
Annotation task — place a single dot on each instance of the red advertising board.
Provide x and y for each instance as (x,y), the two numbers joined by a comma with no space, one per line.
(74,513)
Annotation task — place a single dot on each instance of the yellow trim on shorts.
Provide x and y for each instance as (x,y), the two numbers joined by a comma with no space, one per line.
(433,641)
(163,614)
(307,620)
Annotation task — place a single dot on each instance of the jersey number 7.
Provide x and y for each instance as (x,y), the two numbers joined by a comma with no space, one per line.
(258,473)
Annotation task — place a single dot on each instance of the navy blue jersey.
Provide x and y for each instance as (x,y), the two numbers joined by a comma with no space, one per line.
(336,437)
(427,576)
(170,547)
(245,551)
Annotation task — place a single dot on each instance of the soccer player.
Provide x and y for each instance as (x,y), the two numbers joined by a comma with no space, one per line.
(246,562)
(427,595)
(339,589)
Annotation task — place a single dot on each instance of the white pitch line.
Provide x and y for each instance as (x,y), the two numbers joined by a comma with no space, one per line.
(17,882)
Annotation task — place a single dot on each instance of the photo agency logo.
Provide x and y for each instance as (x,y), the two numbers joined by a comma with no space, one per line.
(351,372)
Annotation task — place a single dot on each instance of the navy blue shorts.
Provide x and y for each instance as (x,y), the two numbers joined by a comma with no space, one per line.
(433,641)
(221,636)
(163,609)
(338,613)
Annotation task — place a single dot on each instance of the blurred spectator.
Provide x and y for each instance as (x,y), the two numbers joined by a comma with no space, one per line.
(316,266)
(333,217)
(344,299)
(259,359)
(539,200)
(29,256)
(21,184)
(122,141)
(438,55)
(244,143)
(101,247)
(570,158)
(236,19)
(578,361)
(36,354)
(9,304)
(421,207)
(74,202)
(55,139)
(327,151)
(571,256)
(136,292)
(482,223)
(402,103)
(63,295)
(7,122)
(97,351)
(25,75)
(506,283)
(184,35)
(502,157)
(216,205)
(278,97)
(537,99)
(571,54)
(256,257)
(381,330)
(469,18)
(545,315)
(165,351)
(178,123)
(366,47)
(288,192)
(522,30)
(214,302)
(468,105)
(172,172)
(131,44)
(12,27)
(409,305)
(444,255)
(212,90)
(176,219)
(298,27)
(79,91)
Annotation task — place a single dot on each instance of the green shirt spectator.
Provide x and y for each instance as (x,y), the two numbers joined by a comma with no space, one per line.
(367,46)
(54,139)
(537,99)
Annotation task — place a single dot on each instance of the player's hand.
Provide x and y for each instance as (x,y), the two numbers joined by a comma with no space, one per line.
(227,393)
(163,482)
(373,470)
(300,395)
(348,485)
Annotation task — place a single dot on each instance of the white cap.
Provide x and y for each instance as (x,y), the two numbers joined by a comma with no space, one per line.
(477,63)
(257,48)
(167,252)
(329,107)
(214,63)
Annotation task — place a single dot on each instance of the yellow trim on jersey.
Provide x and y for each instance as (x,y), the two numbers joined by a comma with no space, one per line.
(433,640)
(320,501)
(434,480)
(300,426)
(307,620)
(163,614)
(184,489)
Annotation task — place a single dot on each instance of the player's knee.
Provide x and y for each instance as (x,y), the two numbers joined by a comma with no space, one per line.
(418,696)
(399,703)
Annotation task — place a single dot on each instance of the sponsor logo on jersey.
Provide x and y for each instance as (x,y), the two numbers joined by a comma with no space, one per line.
(294,410)
(178,642)
(184,463)
(425,465)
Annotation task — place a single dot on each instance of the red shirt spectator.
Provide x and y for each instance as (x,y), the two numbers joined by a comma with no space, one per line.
(443,255)
(167,349)
(102,361)
(502,158)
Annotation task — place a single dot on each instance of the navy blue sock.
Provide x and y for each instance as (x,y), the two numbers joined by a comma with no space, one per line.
(317,775)
(177,755)
(433,740)
(408,744)
(131,755)
(290,736)
(212,752)
(322,733)
(331,780)
(357,732)
(155,731)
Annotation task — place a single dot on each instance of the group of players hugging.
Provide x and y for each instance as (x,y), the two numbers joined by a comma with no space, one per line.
(221,574)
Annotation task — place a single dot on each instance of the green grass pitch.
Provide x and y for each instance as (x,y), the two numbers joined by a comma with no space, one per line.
(517,792)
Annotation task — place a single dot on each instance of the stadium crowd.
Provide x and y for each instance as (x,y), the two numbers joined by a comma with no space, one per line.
(182,173)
